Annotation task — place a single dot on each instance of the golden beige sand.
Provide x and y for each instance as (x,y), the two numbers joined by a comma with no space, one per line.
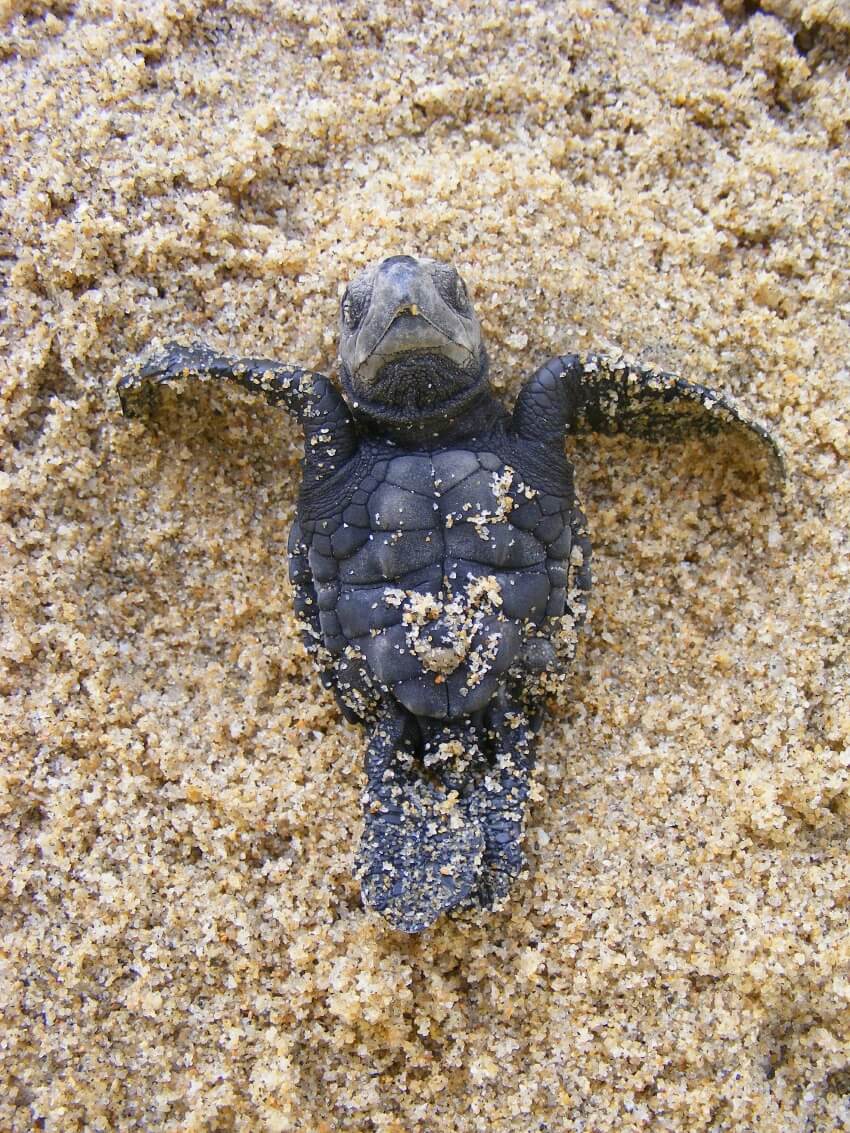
(183,942)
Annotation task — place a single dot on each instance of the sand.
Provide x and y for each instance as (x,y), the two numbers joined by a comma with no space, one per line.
(183,942)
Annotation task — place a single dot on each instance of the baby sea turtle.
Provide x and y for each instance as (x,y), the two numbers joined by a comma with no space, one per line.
(440,560)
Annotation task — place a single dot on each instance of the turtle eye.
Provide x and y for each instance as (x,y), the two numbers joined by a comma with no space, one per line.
(347,308)
(461,295)
(351,311)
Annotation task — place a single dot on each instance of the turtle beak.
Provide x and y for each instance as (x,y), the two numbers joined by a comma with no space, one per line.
(408,314)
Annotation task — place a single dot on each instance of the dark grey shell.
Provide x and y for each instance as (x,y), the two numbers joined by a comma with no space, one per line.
(432,575)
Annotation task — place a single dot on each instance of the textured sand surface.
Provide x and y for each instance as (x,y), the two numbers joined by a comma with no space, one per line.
(183,944)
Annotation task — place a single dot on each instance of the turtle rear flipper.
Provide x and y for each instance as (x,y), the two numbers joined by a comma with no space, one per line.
(420,853)
(498,803)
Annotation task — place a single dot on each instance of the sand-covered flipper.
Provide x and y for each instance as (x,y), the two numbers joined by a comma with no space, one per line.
(578,393)
(420,854)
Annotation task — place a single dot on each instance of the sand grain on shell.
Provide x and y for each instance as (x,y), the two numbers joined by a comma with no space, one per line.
(183,943)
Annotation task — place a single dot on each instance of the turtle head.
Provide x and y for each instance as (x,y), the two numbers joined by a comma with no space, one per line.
(410,343)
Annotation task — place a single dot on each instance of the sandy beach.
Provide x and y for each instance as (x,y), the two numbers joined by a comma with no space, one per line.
(183,943)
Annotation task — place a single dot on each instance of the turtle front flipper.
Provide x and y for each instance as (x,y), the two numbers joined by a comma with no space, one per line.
(310,397)
(420,853)
(594,393)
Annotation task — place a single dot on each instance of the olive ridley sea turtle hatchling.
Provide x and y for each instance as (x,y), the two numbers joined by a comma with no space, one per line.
(440,560)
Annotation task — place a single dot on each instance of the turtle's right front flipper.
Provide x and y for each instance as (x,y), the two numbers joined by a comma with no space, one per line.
(309,397)
(595,393)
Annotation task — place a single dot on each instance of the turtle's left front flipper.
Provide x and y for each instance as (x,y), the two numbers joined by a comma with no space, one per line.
(594,393)
(310,397)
